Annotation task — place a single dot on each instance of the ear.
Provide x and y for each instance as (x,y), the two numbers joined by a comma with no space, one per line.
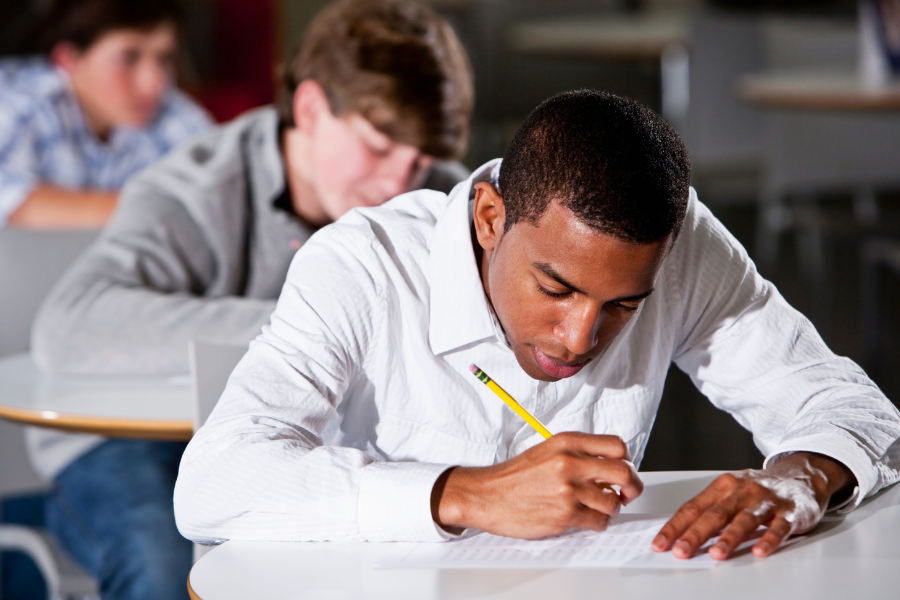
(310,103)
(65,56)
(489,216)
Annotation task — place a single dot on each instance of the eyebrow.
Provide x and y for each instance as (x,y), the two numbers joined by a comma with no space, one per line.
(550,272)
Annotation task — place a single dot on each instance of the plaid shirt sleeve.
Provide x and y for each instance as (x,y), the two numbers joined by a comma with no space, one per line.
(18,155)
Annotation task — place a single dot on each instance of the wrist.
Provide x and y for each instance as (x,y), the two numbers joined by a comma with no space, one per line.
(451,499)
(831,479)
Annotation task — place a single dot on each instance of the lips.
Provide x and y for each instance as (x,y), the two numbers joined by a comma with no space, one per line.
(554,368)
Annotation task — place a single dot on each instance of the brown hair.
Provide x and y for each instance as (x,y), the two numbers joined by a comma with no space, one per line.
(394,62)
(83,22)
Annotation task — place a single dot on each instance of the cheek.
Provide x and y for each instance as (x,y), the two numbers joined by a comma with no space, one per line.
(340,164)
(612,325)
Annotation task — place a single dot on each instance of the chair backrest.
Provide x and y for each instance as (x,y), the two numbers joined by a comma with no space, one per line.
(211,365)
(31,262)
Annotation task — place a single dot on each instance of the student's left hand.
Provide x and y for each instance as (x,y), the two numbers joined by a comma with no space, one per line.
(788,497)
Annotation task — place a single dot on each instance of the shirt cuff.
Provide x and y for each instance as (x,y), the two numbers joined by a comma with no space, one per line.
(395,502)
(846,452)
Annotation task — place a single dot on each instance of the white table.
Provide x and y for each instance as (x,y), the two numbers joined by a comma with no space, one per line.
(851,556)
(140,407)
(833,90)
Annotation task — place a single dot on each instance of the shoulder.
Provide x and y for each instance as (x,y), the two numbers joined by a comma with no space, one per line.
(180,118)
(705,244)
(208,174)
(210,158)
(444,175)
(400,226)
(28,87)
(389,243)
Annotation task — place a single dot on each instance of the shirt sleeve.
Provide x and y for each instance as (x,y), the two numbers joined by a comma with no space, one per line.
(756,357)
(181,119)
(19,167)
(137,297)
(258,468)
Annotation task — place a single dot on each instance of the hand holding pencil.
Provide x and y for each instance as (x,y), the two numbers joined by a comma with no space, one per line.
(547,489)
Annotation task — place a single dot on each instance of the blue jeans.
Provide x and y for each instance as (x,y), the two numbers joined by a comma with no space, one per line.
(112,512)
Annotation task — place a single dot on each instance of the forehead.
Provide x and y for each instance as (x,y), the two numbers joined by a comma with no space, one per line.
(161,35)
(590,260)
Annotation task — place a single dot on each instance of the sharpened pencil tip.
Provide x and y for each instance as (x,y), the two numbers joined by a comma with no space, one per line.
(473,368)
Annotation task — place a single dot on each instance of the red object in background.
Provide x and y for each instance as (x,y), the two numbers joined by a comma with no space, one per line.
(243,58)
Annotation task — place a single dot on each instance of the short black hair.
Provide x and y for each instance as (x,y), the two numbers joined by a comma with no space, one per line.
(617,165)
(83,22)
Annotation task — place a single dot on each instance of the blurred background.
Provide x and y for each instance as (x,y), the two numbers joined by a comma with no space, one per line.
(790,111)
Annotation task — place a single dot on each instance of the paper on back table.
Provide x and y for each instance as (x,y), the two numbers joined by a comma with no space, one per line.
(625,544)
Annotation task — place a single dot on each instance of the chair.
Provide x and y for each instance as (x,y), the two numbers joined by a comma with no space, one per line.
(211,365)
(30,264)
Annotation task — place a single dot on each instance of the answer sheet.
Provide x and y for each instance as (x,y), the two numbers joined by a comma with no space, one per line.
(625,544)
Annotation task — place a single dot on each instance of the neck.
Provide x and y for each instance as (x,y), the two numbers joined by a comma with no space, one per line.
(295,148)
(97,125)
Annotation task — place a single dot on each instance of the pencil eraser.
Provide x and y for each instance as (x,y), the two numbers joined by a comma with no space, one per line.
(473,368)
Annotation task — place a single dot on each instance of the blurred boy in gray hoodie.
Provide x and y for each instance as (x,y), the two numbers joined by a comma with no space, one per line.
(377,101)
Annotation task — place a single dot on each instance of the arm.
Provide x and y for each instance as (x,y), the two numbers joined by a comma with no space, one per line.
(545,490)
(824,426)
(48,207)
(133,302)
(258,469)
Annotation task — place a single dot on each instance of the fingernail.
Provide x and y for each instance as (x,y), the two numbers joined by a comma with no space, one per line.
(660,541)
(683,548)
(764,547)
(720,547)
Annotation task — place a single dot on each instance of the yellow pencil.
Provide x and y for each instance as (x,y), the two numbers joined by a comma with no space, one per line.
(537,425)
(509,400)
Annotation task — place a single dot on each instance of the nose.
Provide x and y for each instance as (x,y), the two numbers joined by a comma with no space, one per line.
(397,171)
(152,79)
(579,331)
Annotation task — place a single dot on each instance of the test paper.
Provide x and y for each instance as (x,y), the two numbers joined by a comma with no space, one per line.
(625,544)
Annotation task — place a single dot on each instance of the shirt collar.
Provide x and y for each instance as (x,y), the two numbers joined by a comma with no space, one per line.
(460,314)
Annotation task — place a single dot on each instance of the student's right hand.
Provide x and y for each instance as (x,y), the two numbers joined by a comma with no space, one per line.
(545,490)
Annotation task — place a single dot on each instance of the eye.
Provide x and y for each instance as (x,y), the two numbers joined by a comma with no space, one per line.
(625,307)
(130,58)
(547,292)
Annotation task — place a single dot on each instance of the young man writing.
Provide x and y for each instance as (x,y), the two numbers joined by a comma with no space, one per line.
(573,273)
(201,242)
(74,125)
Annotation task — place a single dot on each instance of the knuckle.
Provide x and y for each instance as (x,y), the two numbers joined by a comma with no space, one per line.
(719,513)
(620,447)
(563,463)
(693,535)
(727,481)
(691,510)
(567,440)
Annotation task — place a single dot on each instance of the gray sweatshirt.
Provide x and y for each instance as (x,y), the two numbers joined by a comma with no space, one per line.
(197,250)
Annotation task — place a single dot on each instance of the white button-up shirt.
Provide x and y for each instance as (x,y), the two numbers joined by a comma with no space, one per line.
(358,395)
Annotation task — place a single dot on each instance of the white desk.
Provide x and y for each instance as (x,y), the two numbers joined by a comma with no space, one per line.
(139,407)
(817,90)
(852,556)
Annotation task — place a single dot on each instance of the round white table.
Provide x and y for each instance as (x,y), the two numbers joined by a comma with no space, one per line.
(831,90)
(851,556)
(158,408)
